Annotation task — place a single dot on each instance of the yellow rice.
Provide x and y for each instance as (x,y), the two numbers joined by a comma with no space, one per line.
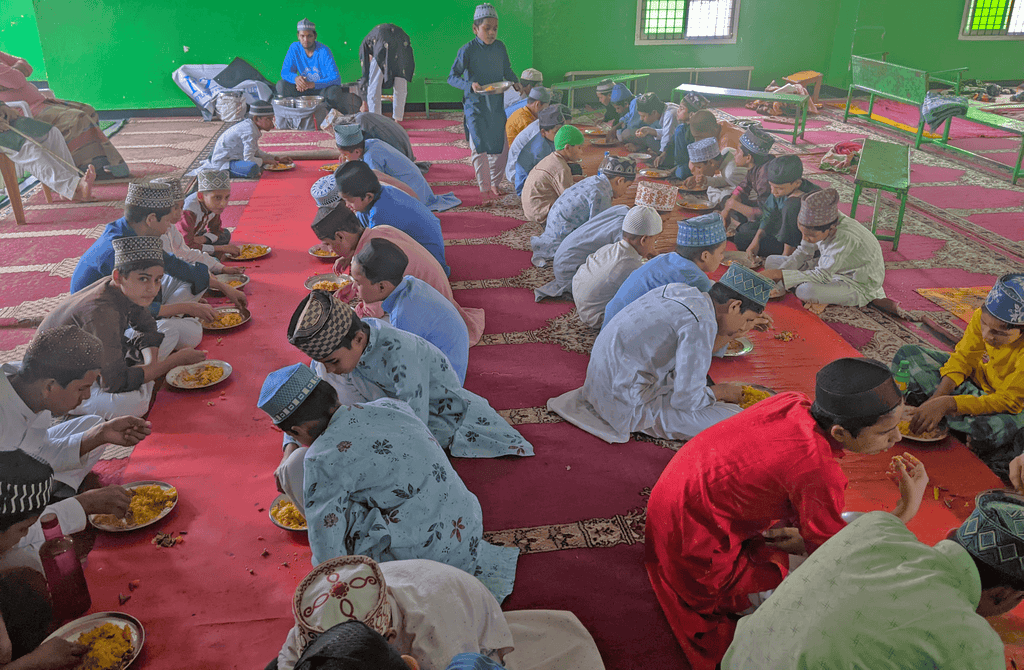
(285,513)
(110,647)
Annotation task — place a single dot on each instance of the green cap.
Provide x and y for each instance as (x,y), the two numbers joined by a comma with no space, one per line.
(567,134)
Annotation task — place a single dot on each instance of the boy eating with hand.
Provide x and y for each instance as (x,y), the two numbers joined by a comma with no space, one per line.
(200,222)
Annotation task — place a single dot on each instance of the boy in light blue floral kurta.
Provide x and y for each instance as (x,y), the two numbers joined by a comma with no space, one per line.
(377,484)
(377,360)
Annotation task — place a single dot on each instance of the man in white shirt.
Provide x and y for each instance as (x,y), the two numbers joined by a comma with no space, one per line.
(597,280)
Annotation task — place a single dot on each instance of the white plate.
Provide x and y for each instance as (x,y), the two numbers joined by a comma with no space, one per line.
(174,376)
(912,438)
(252,258)
(327,276)
(73,629)
(281,525)
(748,346)
(331,256)
(117,529)
(639,157)
(655,173)
(228,310)
(225,278)
(496,87)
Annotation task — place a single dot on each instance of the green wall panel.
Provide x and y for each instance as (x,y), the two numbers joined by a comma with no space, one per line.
(925,35)
(776,37)
(119,54)
(19,36)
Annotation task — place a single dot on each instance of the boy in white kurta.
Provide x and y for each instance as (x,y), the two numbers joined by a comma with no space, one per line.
(238,149)
(597,280)
(839,261)
(648,369)
(660,120)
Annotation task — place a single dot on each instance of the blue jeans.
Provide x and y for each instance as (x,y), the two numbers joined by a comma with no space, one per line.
(244,170)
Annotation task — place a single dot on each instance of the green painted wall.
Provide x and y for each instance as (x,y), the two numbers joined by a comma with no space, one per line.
(19,36)
(923,35)
(119,54)
(776,37)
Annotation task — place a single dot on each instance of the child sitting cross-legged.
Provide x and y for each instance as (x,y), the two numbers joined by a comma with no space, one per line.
(713,168)
(200,223)
(552,175)
(551,121)
(581,202)
(839,261)
(132,360)
(597,280)
(775,231)
(411,304)
(238,149)
(979,388)
(700,248)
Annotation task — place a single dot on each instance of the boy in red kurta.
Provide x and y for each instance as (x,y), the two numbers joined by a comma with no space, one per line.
(709,544)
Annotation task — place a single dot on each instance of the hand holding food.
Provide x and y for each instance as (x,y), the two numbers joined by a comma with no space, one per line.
(728,392)
(107,500)
(788,540)
(187,356)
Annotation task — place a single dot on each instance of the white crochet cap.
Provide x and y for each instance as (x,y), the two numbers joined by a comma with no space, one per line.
(642,220)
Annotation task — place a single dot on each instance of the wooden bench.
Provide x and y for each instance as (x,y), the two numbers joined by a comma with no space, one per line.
(883,166)
(910,86)
(801,101)
(590,82)
(9,174)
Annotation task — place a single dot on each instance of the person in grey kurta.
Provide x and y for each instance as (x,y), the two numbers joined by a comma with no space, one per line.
(605,228)
(580,203)
(377,484)
(839,261)
(378,360)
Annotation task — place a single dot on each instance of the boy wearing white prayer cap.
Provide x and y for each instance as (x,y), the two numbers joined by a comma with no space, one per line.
(600,276)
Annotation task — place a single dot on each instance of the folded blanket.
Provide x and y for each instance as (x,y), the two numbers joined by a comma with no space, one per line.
(937,109)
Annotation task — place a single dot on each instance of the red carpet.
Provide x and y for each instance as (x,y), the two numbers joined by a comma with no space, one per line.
(575,509)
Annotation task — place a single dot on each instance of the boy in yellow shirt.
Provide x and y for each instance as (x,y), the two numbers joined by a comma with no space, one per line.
(979,388)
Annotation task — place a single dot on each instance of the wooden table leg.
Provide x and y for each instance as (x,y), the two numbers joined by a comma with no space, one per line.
(10,177)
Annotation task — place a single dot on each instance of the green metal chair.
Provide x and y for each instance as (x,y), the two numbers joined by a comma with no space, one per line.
(884,167)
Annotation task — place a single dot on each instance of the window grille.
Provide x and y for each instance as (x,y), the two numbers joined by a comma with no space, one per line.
(661,21)
(993,19)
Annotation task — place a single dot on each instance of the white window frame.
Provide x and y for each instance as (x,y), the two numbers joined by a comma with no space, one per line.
(640,38)
(968,4)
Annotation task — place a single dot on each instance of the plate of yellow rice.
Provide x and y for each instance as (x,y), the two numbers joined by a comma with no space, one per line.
(151,501)
(199,375)
(234,281)
(323,252)
(284,514)
(250,252)
(327,282)
(741,346)
(114,639)
(755,393)
(227,318)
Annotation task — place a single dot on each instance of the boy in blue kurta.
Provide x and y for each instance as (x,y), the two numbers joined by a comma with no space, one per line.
(378,205)
(309,69)
(377,484)
(700,247)
(374,359)
(381,156)
(412,304)
(481,62)
(580,203)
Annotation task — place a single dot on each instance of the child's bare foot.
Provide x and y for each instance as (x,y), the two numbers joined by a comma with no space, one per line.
(495,192)
(84,191)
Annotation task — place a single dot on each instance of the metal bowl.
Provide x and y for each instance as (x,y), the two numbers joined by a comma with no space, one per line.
(309,101)
(286,102)
(72,630)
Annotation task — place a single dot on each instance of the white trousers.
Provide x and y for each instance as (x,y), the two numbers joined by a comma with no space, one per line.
(373,92)
(59,177)
(179,332)
(113,405)
(489,168)
(65,432)
(290,474)
(836,292)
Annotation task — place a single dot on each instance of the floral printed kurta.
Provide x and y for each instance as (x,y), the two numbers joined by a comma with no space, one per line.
(377,484)
(398,364)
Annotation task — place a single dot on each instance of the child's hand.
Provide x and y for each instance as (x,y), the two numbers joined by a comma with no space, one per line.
(107,500)
(230,249)
(788,540)
(232,270)
(1016,472)
(728,392)
(236,296)
(347,292)
(913,479)
(477,87)
(200,310)
(57,653)
(187,356)
(927,417)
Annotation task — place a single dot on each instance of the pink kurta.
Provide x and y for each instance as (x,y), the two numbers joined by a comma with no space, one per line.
(422,266)
(733,481)
(18,84)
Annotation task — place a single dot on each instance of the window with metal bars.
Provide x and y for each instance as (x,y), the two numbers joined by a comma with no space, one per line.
(993,19)
(680,21)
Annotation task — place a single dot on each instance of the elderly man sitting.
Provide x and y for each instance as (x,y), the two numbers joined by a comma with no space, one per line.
(39,149)
(309,69)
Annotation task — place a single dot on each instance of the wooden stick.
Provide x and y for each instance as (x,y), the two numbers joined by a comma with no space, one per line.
(4,125)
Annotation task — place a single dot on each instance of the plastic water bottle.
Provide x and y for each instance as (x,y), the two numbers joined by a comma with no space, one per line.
(902,376)
(64,576)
